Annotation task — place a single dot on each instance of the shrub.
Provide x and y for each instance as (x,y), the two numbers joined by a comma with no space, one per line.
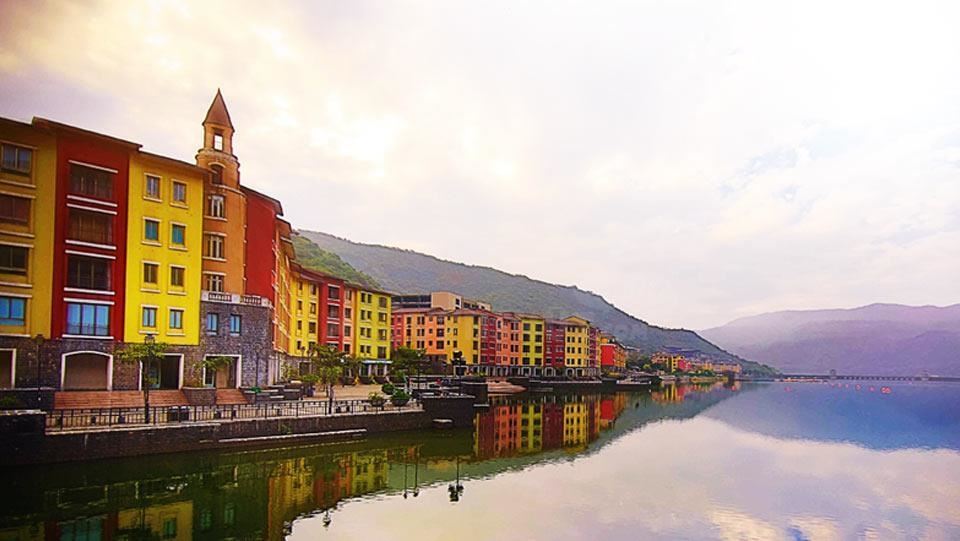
(400,398)
(387,388)
(376,399)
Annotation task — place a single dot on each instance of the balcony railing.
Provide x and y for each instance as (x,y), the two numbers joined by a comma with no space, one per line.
(233,298)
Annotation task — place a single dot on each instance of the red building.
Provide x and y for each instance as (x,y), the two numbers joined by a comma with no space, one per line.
(554,346)
(90,238)
(263,244)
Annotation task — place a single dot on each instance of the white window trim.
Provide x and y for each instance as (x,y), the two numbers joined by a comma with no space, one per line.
(13,366)
(90,244)
(89,200)
(17,295)
(88,301)
(63,361)
(21,196)
(239,362)
(92,166)
(89,291)
(89,254)
(16,244)
(92,209)
(148,197)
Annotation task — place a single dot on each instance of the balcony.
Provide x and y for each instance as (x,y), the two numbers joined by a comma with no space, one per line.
(233,298)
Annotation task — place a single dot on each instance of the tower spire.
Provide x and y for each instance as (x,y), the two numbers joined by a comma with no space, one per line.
(217,113)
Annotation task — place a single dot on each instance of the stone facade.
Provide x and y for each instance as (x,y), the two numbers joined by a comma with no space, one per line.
(254,344)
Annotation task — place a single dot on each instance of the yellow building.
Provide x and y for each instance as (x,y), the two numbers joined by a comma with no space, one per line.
(531,428)
(303,309)
(531,341)
(371,323)
(576,350)
(164,247)
(27,206)
(463,336)
(575,417)
(165,521)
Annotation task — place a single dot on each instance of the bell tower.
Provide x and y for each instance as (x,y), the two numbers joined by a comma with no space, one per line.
(217,152)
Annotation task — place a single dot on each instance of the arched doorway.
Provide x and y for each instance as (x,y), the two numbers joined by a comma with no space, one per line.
(86,371)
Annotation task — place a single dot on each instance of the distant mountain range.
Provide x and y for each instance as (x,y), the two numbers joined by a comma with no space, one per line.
(879,339)
(405,271)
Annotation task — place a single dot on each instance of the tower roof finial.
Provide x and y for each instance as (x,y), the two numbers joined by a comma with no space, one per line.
(218,114)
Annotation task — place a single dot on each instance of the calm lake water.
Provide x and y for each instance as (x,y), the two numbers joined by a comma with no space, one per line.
(765,461)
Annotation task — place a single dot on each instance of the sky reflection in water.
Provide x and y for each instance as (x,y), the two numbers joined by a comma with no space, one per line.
(801,461)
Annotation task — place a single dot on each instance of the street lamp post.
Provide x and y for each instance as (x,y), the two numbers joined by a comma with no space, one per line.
(39,341)
(145,376)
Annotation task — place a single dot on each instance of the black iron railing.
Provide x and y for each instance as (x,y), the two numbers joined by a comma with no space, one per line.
(66,419)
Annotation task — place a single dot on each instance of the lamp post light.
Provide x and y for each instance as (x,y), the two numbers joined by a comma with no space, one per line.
(145,376)
(39,341)
(456,490)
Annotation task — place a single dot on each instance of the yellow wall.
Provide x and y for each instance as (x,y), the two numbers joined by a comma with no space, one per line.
(371,324)
(39,186)
(166,254)
(463,334)
(303,295)
(178,517)
(531,340)
(577,342)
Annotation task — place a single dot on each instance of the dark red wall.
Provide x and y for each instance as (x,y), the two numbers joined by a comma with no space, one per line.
(92,151)
(260,250)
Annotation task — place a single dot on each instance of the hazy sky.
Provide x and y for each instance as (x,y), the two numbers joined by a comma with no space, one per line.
(693,162)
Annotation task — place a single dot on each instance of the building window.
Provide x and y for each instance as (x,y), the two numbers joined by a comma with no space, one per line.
(151,187)
(178,235)
(382,351)
(86,226)
(213,282)
(151,274)
(88,272)
(86,319)
(333,292)
(213,246)
(179,193)
(14,210)
(170,528)
(312,327)
(13,259)
(13,311)
(217,171)
(217,141)
(213,322)
(151,230)
(177,277)
(17,159)
(235,324)
(89,181)
(176,319)
(148,317)
(215,206)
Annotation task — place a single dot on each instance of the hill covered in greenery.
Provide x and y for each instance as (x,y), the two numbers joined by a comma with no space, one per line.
(315,258)
(405,271)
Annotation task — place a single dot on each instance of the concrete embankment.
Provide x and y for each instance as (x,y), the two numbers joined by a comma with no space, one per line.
(24,445)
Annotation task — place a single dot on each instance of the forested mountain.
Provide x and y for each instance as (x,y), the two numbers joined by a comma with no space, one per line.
(313,257)
(405,271)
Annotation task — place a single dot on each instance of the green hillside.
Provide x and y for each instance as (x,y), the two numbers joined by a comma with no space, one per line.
(405,271)
(315,258)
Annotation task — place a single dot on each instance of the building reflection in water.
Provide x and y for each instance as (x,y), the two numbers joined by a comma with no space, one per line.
(258,494)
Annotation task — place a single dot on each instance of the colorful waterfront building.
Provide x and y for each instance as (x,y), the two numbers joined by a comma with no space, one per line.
(532,329)
(164,244)
(576,349)
(90,258)
(509,344)
(613,356)
(27,208)
(555,347)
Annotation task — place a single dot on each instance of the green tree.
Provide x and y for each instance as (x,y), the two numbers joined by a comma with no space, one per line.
(145,355)
(329,363)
